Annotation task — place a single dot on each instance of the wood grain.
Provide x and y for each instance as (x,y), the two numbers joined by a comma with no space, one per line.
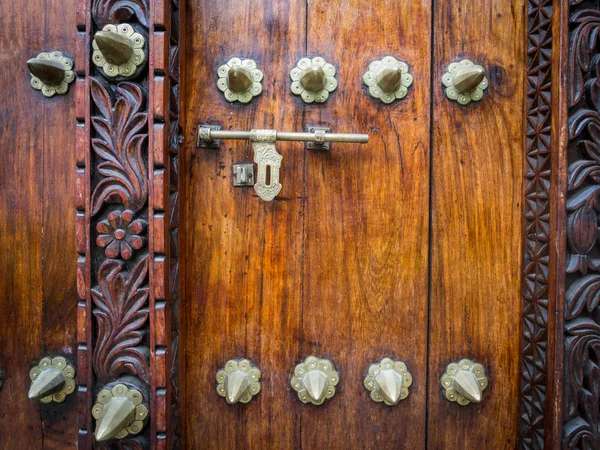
(476,219)
(366,226)
(37,295)
(242,256)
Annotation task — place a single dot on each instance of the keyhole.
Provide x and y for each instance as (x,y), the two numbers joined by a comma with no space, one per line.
(268,176)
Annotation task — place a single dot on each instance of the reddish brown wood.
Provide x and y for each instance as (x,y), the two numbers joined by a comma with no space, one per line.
(477,216)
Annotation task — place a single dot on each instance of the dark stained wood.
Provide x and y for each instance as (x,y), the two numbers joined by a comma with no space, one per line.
(366,226)
(477,215)
(243,257)
(37,229)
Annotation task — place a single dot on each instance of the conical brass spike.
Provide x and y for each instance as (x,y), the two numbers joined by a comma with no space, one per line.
(466,385)
(389,79)
(236,385)
(115,48)
(313,79)
(239,79)
(118,414)
(48,382)
(315,383)
(50,72)
(468,79)
(390,385)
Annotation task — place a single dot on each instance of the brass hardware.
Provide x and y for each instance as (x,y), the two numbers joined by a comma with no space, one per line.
(313,79)
(119,412)
(388,381)
(51,73)
(465,82)
(240,80)
(265,154)
(243,174)
(315,380)
(119,50)
(52,380)
(319,142)
(238,381)
(388,79)
(464,382)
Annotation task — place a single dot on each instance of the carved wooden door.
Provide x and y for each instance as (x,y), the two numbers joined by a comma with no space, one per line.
(149,303)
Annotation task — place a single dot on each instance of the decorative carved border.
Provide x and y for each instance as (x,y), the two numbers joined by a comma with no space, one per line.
(538,166)
(581,388)
(128,139)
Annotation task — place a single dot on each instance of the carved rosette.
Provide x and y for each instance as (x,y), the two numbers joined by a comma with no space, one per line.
(128,273)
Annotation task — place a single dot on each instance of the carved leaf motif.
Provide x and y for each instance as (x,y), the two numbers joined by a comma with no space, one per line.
(582,294)
(117,11)
(583,44)
(127,444)
(121,313)
(120,142)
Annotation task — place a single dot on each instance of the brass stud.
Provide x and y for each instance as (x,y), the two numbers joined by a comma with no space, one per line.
(240,80)
(464,382)
(388,79)
(388,381)
(51,73)
(119,50)
(315,380)
(313,79)
(465,82)
(119,412)
(52,380)
(238,381)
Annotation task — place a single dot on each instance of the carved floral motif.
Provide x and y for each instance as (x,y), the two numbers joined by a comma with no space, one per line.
(120,234)
(121,313)
(118,11)
(581,312)
(121,130)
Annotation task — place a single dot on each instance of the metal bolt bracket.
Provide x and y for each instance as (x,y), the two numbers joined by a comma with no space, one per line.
(243,174)
(319,142)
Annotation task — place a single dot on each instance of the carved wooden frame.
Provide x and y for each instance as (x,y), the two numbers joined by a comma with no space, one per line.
(560,391)
(127,144)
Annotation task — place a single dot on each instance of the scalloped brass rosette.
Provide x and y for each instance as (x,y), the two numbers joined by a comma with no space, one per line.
(51,73)
(388,381)
(313,79)
(52,380)
(238,381)
(388,79)
(119,412)
(315,380)
(119,50)
(464,382)
(465,82)
(240,80)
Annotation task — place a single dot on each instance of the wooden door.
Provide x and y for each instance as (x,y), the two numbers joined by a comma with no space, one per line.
(408,247)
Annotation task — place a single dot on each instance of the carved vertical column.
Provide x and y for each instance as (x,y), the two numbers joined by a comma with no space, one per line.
(127,210)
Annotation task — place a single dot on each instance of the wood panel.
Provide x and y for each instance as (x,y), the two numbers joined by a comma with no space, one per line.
(477,209)
(366,231)
(37,228)
(242,256)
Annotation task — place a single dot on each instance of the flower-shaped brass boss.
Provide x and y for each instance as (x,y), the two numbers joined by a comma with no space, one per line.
(465,81)
(388,381)
(51,73)
(240,80)
(315,380)
(464,382)
(388,79)
(119,412)
(52,380)
(313,79)
(120,234)
(238,381)
(119,50)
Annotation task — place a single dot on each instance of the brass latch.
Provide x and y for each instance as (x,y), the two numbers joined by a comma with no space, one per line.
(267,159)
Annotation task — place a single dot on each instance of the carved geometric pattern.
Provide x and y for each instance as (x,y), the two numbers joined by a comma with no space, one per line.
(537,228)
(581,428)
